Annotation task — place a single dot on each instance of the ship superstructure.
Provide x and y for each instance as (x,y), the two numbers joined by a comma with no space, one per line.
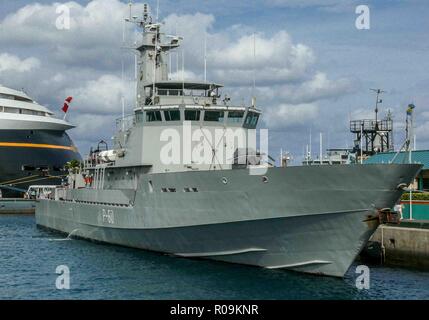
(34,145)
(154,189)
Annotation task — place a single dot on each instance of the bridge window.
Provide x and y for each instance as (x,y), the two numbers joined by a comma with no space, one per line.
(172,115)
(217,116)
(251,120)
(152,116)
(235,116)
(192,115)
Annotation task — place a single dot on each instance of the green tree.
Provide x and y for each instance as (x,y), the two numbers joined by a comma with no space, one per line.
(73,166)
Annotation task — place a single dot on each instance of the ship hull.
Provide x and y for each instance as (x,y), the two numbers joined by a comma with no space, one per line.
(325,244)
(313,220)
(25,154)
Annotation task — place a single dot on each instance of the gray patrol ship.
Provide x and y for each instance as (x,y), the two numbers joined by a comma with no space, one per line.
(312,219)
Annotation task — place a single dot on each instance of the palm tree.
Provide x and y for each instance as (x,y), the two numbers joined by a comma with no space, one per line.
(73,166)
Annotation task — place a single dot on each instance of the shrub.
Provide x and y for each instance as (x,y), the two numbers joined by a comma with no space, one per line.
(416,196)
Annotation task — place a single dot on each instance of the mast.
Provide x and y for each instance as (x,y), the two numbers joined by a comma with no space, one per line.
(254,72)
(152,57)
(205,57)
(378,100)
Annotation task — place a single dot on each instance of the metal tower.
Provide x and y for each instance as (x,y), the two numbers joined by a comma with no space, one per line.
(373,135)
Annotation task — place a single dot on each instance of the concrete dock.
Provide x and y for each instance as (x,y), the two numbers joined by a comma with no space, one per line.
(17,206)
(405,244)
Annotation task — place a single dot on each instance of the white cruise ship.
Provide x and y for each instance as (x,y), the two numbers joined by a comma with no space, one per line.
(34,145)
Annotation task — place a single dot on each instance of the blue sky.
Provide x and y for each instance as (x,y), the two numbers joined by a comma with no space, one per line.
(337,64)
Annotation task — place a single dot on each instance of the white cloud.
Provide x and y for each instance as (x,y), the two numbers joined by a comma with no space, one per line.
(187,75)
(276,51)
(328,4)
(276,60)
(286,116)
(230,52)
(10,62)
(94,37)
(100,96)
(317,88)
(92,127)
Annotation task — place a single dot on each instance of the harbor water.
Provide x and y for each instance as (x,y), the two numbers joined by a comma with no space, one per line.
(29,258)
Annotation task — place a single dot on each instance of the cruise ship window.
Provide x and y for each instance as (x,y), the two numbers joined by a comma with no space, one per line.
(11,110)
(235,116)
(172,115)
(192,115)
(30,112)
(21,99)
(152,116)
(217,116)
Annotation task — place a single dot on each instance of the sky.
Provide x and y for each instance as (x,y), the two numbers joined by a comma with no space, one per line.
(314,68)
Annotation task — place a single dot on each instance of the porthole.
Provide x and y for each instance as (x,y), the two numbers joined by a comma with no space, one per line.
(264,179)
(224,180)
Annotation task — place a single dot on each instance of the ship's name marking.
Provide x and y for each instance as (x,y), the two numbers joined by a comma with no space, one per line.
(108,216)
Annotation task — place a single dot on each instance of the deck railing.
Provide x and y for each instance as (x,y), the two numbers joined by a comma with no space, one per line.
(370,125)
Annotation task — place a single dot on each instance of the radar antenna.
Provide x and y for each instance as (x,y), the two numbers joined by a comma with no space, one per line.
(378,100)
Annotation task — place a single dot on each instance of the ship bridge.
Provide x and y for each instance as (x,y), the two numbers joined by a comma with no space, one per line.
(175,102)
(187,92)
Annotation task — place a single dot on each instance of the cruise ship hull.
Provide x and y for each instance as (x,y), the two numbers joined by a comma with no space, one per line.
(308,219)
(29,157)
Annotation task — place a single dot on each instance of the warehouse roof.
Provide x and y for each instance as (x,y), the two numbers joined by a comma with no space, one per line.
(418,156)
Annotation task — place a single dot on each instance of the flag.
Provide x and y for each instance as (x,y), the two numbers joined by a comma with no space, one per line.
(66,105)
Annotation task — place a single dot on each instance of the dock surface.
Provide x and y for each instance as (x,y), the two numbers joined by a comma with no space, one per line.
(17,206)
(405,244)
